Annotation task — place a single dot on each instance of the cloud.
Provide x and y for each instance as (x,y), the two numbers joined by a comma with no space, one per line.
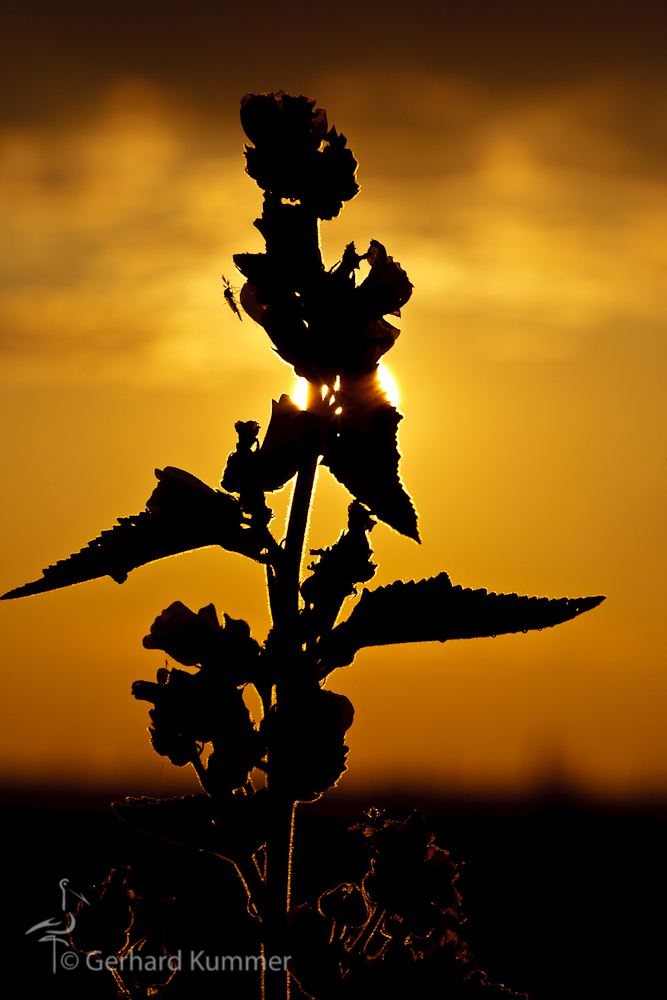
(527,220)
(118,232)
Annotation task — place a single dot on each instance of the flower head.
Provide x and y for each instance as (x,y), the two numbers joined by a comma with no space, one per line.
(319,321)
(191,710)
(324,324)
(409,873)
(295,154)
(305,735)
(199,640)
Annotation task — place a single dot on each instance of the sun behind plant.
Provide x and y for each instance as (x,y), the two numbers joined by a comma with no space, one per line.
(399,924)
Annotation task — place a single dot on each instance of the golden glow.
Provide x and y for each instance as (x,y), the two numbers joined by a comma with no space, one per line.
(388,383)
(386,379)
(300,391)
(531,369)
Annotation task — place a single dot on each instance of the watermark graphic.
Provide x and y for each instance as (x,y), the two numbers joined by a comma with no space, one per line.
(132,960)
(195,961)
(60,935)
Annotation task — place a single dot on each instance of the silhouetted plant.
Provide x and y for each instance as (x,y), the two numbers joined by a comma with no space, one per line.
(399,926)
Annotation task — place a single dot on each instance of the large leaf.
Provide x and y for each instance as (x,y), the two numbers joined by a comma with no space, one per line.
(434,610)
(363,453)
(183,514)
(232,827)
(187,820)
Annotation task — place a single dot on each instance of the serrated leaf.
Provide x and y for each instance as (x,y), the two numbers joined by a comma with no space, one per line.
(231,828)
(184,514)
(187,820)
(434,610)
(363,453)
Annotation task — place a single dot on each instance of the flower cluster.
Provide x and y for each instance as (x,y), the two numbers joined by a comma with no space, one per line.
(327,326)
(409,874)
(200,640)
(396,932)
(295,154)
(319,321)
(306,739)
(191,710)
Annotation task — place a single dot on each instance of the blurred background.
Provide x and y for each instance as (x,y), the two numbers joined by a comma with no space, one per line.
(512,159)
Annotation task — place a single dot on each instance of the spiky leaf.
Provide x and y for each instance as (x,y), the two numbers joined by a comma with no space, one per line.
(363,453)
(434,610)
(184,513)
(231,827)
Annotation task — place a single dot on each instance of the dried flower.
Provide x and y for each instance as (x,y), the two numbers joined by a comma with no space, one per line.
(288,159)
(409,873)
(199,640)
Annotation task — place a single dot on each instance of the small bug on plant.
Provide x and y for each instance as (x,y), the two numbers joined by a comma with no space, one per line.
(229,298)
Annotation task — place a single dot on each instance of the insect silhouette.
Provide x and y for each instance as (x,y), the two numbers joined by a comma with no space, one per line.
(229,298)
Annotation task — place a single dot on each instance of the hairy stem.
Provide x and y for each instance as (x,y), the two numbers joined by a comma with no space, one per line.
(277,880)
(282,806)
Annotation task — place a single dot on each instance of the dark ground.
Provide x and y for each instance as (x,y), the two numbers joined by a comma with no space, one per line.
(562,899)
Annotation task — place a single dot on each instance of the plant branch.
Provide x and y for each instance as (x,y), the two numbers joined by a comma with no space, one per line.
(276,899)
(298,519)
(285,587)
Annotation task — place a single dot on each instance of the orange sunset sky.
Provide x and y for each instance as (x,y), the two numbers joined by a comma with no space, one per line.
(512,158)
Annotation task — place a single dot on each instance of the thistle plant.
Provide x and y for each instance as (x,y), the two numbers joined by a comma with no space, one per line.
(399,924)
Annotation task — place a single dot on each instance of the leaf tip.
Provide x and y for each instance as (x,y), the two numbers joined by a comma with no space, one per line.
(27,590)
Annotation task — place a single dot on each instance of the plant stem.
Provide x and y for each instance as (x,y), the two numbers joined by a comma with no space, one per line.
(277,879)
(281,803)
(298,518)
